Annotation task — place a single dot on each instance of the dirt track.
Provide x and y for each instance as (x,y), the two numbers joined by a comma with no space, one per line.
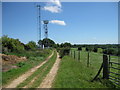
(20,79)
(47,82)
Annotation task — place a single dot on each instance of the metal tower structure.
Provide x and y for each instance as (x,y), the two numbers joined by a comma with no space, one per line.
(46,32)
(39,25)
(46,28)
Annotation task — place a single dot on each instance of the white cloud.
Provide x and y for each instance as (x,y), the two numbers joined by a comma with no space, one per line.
(58,22)
(53,9)
(53,6)
(56,2)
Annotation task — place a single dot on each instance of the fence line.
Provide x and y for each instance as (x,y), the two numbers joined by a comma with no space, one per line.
(79,55)
(106,65)
(88,61)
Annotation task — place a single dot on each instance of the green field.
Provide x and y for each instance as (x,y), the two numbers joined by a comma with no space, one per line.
(74,73)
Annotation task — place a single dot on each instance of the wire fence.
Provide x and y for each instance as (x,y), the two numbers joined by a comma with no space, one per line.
(111,69)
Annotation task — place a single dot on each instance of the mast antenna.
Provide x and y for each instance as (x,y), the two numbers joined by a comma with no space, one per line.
(39,25)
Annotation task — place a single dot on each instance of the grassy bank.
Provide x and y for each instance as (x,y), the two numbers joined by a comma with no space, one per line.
(39,75)
(73,74)
(34,58)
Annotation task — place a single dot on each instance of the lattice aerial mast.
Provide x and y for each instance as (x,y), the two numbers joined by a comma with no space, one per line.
(39,25)
(46,28)
(46,31)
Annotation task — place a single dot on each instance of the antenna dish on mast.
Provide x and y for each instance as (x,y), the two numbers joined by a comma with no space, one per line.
(45,21)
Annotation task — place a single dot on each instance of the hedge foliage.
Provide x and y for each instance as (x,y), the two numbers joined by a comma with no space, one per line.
(63,51)
(14,45)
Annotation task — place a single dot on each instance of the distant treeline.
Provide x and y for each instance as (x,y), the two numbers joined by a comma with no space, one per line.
(14,45)
(111,49)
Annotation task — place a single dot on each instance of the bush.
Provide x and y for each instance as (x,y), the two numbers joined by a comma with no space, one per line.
(111,51)
(11,45)
(104,51)
(95,49)
(79,48)
(30,45)
(118,52)
(21,64)
(4,50)
(63,51)
(87,49)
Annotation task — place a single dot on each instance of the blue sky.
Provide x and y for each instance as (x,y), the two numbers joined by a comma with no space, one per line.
(86,22)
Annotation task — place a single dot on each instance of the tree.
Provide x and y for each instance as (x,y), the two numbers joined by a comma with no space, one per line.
(118,52)
(11,45)
(31,45)
(47,42)
(75,45)
(87,49)
(57,45)
(40,42)
(66,44)
(61,45)
(105,51)
(111,51)
(80,48)
(95,49)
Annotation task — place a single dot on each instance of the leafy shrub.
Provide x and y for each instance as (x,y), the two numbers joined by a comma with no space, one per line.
(87,49)
(11,45)
(95,49)
(118,52)
(21,64)
(30,45)
(80,48)
(63,51)
(104,51)
(111,51)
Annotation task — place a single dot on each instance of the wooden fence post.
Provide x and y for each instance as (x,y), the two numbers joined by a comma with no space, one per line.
(109,58)
(105,67)
(71,53)
(74,54)
(79,55)
(88,60)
